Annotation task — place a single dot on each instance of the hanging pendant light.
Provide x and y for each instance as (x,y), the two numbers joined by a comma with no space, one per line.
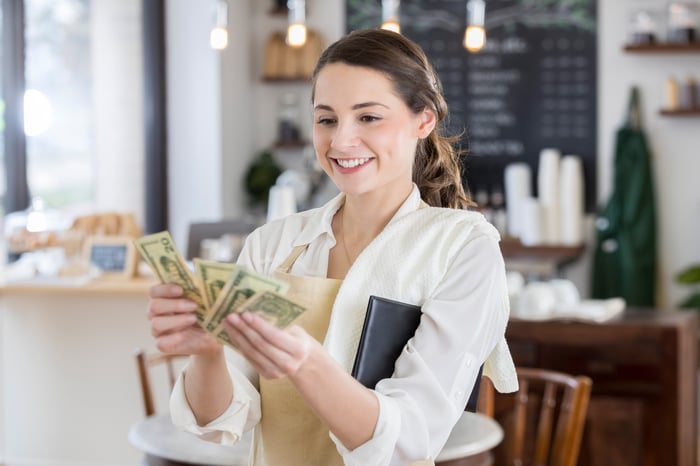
(390,15)
(296,31)
(475,34)
(218,37)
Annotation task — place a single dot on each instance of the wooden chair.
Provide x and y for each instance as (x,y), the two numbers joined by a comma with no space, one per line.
(144,363)
(211,230)
(544,421)
(161,442)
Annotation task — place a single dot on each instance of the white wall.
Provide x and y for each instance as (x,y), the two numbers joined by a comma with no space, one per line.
(675,142)
(194,117)
(117,70)
(249,109)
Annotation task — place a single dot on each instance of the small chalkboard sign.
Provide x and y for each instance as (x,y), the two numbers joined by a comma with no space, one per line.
(114,255)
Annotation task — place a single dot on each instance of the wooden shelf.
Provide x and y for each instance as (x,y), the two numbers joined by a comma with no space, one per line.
(663,48)
(680,113)
(298,80)
(514,249)
(543,261)
(290,144)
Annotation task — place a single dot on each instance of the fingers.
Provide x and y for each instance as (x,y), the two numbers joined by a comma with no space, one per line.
(174,324)
(273,352)
(162,306)
(167,290)
(171,323)
(192,340)
(167,299)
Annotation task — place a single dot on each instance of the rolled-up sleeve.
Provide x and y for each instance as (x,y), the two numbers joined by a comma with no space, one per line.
(463,320)
(242,414)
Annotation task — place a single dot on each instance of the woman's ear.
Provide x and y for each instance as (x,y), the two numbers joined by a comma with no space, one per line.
(426,123)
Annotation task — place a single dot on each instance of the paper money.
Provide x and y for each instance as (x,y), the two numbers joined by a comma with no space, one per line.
(242,285)
(273,307)
(213,277)
(218,288)
(161,255)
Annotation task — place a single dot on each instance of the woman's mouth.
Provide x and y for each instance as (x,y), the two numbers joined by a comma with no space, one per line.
(352,163)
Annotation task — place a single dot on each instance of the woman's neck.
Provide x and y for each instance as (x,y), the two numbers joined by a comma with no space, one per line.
(365,216)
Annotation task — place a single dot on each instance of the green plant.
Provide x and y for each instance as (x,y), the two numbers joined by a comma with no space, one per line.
(261,176)
(691,276)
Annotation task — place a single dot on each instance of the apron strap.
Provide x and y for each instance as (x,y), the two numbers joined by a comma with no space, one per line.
(286,266)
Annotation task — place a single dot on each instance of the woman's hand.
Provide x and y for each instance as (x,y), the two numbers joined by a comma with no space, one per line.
(174,324)
(274,353)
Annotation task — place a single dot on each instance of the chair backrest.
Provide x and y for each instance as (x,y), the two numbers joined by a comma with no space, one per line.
(545,419)
(144,363)
(213,230)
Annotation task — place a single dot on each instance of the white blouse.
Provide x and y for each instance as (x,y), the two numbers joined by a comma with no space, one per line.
(453,268)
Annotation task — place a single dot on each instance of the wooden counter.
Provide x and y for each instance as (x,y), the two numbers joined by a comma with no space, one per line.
(643,408)
(68,380)
(98,287)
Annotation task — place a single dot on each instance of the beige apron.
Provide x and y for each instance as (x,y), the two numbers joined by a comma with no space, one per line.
(289,432)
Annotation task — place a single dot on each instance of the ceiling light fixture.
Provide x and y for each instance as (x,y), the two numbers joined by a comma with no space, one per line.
(296,31)
(475,34)
(390,15)
(218,37)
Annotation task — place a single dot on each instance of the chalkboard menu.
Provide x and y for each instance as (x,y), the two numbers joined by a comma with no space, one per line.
(533,86)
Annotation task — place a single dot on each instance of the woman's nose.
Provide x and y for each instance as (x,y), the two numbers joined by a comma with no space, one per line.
(345,136)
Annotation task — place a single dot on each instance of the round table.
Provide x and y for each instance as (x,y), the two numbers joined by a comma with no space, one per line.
(468,444)
(470,441)
(164,444)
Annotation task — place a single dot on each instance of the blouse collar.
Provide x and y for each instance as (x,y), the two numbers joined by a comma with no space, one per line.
(320,219)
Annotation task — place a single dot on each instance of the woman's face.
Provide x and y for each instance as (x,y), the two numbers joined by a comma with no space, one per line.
(364,135)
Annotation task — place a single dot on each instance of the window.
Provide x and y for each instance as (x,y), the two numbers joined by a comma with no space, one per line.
(83,105)
(57,102)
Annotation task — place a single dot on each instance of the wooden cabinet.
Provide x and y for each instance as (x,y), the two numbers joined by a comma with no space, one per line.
(643,408)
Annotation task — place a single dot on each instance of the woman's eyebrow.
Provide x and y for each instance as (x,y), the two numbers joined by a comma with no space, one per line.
(368,104)
(354,107)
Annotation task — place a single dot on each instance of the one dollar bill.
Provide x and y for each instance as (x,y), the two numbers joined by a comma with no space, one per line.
(159,252)
(213,277)
(273,307)
(242,285)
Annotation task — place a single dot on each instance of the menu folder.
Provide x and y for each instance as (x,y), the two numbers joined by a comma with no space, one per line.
(387,328)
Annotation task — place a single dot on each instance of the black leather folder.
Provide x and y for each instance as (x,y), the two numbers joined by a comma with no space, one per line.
(387,328)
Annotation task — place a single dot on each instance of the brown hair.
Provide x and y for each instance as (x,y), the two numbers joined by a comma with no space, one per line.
(436,169)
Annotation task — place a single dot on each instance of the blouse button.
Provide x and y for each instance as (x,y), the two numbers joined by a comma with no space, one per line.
(469,362)
(459,395)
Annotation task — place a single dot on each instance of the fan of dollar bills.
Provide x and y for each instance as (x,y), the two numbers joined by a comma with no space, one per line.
(218,288)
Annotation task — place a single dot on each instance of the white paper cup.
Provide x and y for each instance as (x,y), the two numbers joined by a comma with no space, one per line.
(281,202)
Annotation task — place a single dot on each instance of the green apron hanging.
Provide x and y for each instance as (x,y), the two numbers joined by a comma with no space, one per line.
(624,262)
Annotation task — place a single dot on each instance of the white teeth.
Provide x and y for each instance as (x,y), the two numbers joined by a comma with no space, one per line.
(351,163)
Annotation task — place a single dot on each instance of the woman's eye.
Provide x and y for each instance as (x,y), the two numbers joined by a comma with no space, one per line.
(324,121)
(369,118)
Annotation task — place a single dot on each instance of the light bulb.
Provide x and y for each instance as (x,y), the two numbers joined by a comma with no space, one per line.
(218,38)
(392,25)
(296,35)
(474,38)
(390,15)
(475,34)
